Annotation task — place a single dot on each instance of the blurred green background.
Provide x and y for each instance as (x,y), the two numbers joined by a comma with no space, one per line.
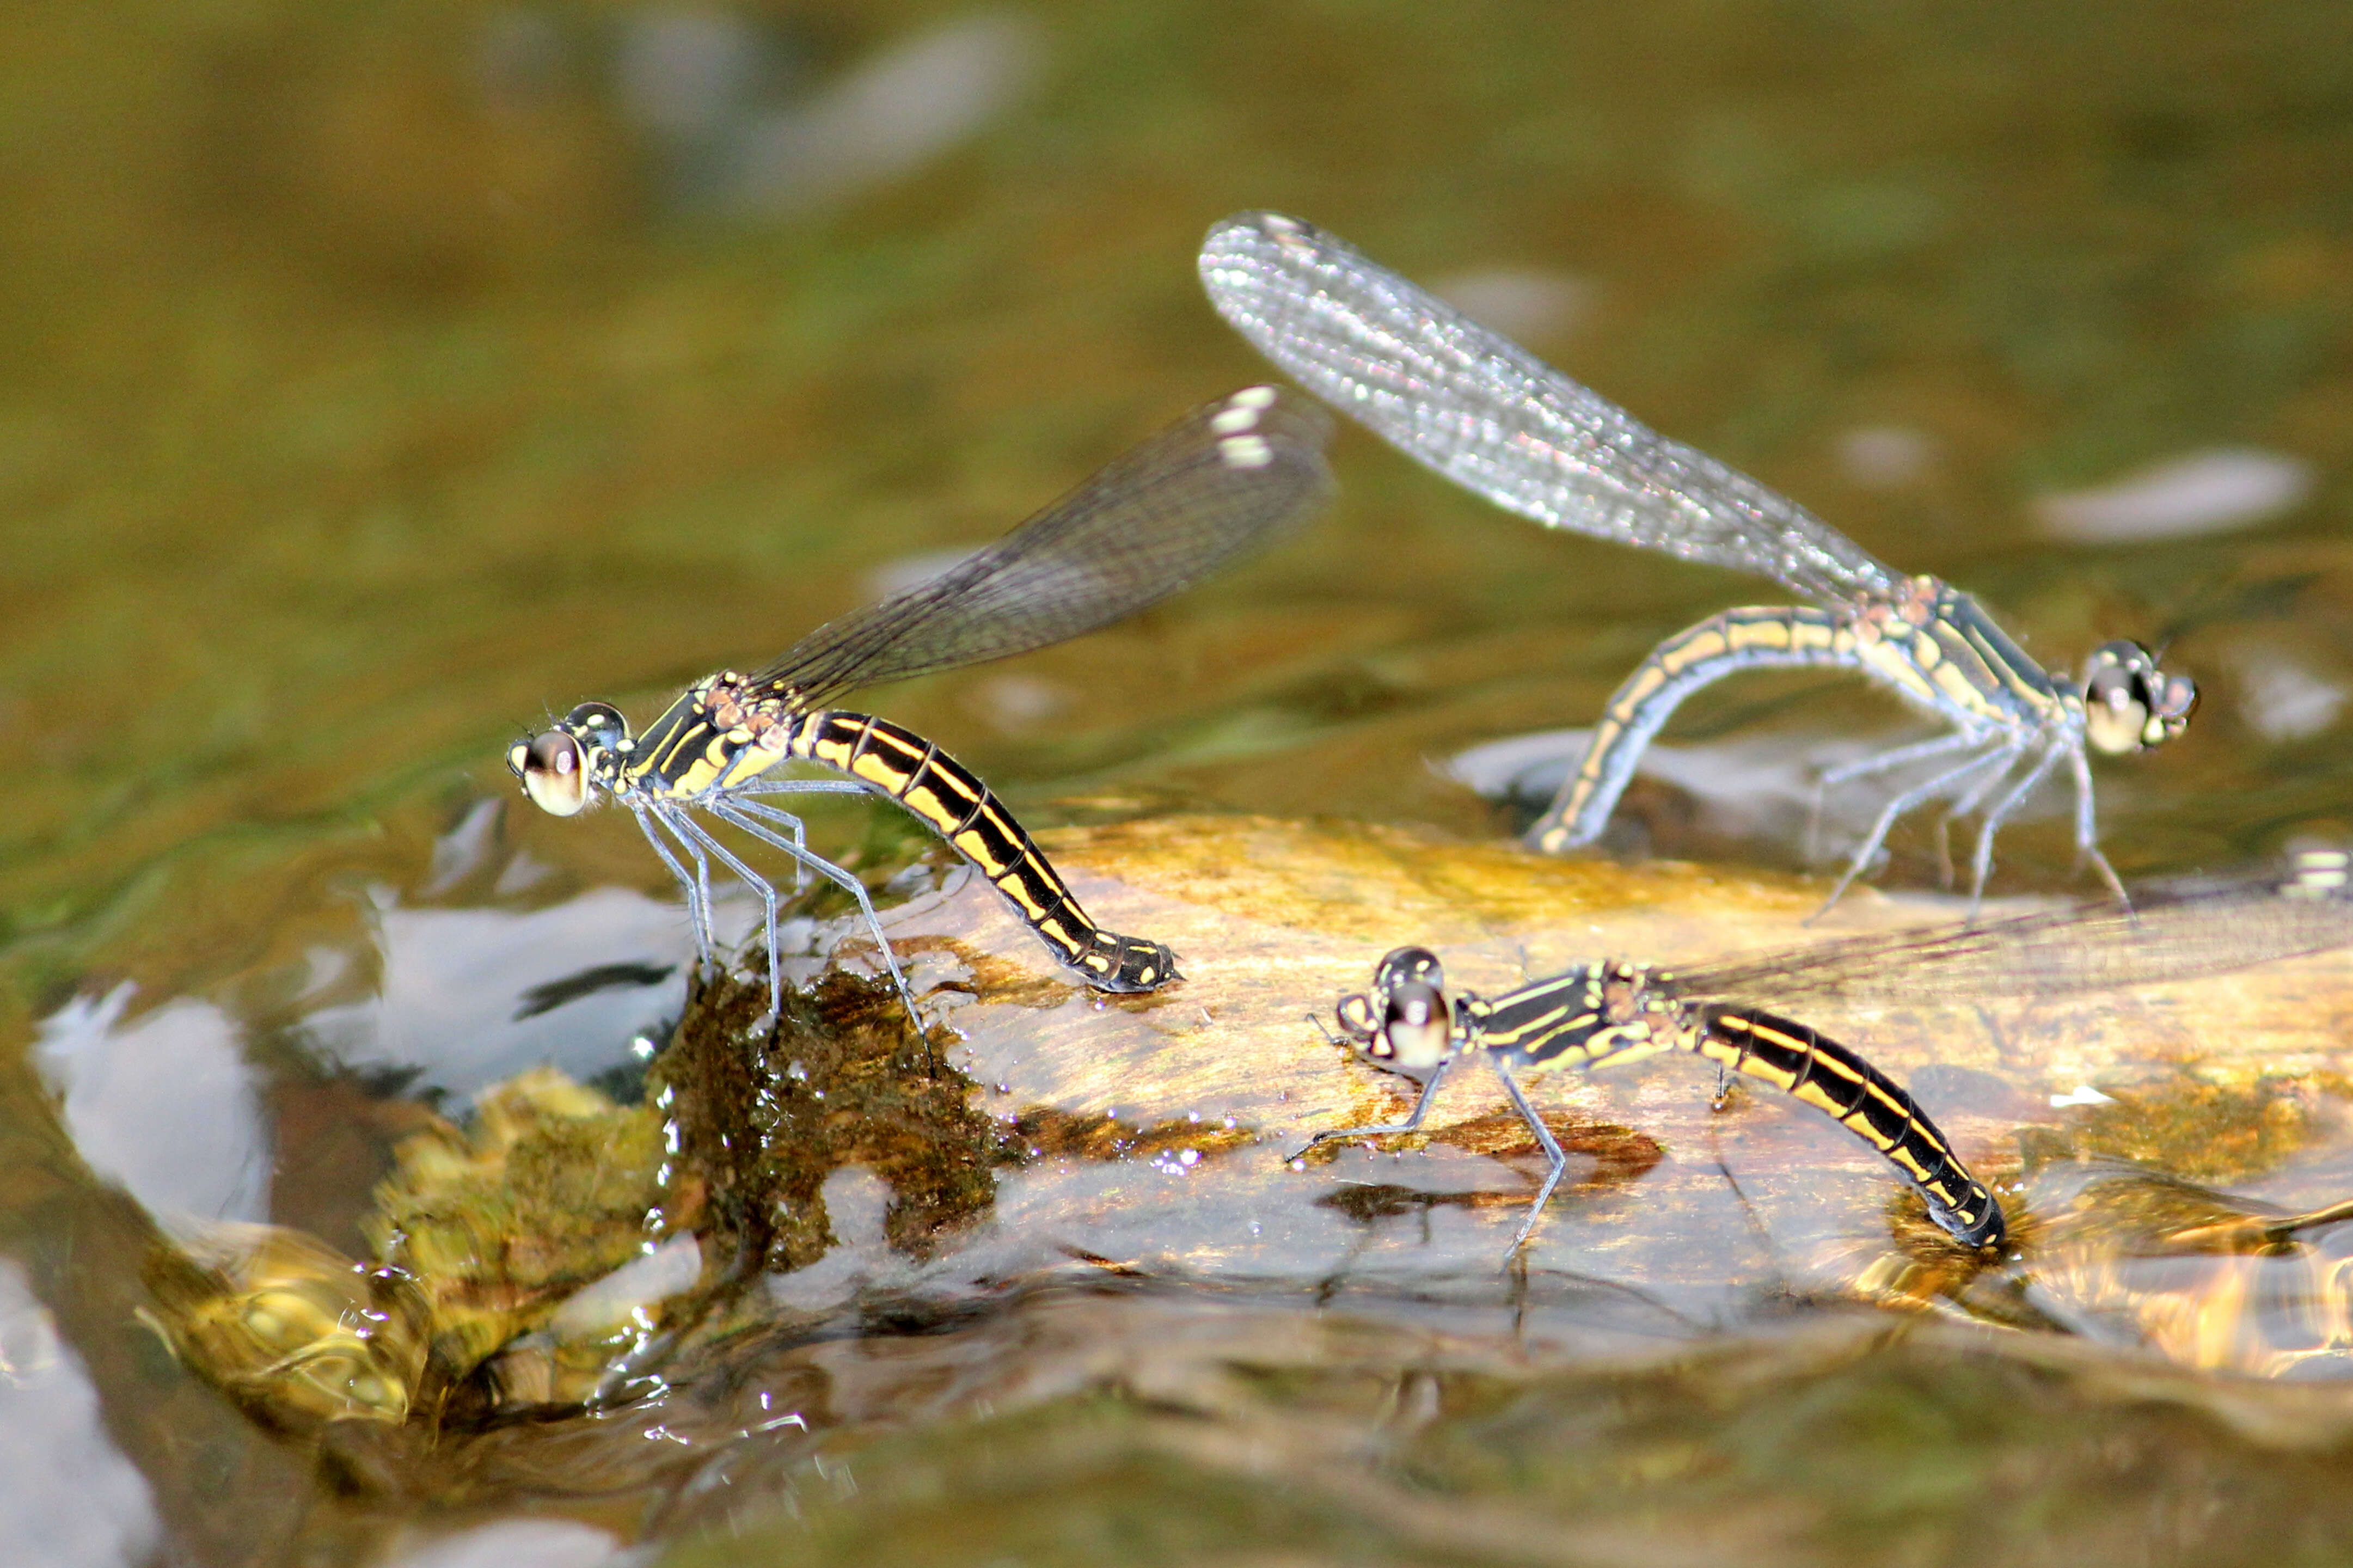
(378,378)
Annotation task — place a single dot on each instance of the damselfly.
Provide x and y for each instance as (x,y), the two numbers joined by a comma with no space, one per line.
(1493,418)
(1230,475)
(1610,1012)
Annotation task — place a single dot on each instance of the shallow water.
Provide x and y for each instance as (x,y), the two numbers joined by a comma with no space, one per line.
(381,380)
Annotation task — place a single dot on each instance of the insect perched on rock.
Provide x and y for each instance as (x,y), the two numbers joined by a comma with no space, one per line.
(1490,415)
(1612,1012)
(1229,476)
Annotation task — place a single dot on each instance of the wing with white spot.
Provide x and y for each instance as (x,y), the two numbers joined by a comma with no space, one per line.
(1227,478)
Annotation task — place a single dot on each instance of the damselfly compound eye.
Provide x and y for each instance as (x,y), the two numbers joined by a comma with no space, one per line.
(1409,963)
(554,772)
(597,724)
(2129,705)
(1415,1027)
(2176,699)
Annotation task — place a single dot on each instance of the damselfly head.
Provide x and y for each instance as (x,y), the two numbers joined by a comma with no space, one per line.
(553,766)
(1405,1024)
(1416,1033)
(2129,704)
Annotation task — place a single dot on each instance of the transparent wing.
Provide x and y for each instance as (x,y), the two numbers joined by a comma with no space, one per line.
(2178,931)
(1495,419)
(1230,477)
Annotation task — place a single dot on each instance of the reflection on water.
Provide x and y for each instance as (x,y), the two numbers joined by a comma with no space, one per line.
(2285,699)
(165,1105)
(883,121)
(744,132)
(2132,1260)
(68,1496)
(471,996)
(517,1543)
(169,1103)
(2204,493)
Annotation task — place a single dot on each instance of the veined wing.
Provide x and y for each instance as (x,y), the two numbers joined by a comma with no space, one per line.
(1227,477)
(1493,418)
(2179,931)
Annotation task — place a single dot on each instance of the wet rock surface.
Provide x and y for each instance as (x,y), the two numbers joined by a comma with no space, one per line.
(1052,1249)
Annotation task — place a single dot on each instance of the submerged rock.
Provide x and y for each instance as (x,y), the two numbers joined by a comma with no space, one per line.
(836,1170)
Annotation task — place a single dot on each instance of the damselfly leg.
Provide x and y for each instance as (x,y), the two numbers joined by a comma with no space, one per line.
(800,787)
(754,818)
(673,816)
(1878,762)
(1556,1162)
(697,887)
(1410,1124)
(2005,755)
(2087,838)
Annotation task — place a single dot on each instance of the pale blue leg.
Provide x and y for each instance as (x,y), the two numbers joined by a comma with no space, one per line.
(1981,863)
(697,887)
(748,816)
(1410,1124)
(799,786)
(1966,803)
(804,786)
(1879,763)
(1899,756)
(1906,802)
(1556,1161)
(674,817)
(2087,836)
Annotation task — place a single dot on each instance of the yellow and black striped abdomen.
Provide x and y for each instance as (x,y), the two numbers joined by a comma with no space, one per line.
(1832,1078)
(943,792)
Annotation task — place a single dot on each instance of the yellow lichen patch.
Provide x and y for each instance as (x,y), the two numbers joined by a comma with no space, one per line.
(1045,1133)
(550,1190)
